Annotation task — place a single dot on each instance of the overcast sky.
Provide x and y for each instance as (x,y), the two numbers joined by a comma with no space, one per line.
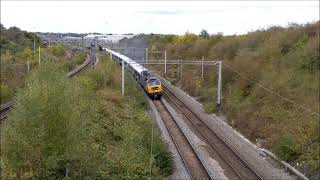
(174,17)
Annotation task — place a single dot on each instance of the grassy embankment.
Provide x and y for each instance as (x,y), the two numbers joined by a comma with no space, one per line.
(284,60)
(80,128)
(17,49)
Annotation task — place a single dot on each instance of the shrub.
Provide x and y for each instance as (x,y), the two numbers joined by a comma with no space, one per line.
(5,93)
(225,49)
(284,60)
(80,58)
(57,50)
(35,137)
(286,148)
(311,56)
(77,128)
(174,82)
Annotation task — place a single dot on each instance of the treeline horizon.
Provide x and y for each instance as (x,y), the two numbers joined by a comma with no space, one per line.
(80,34)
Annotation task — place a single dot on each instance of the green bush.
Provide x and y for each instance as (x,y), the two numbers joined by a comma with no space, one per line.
(79,129)
(286,148)
(5,93)
(285,60)
(80,58)
(57,50)
(67,65)
(35,138)
(174,82)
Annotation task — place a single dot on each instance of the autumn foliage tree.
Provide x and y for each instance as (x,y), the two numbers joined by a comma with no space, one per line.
(283,59)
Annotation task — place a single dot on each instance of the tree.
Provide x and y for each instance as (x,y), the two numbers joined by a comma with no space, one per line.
(27,54)
(204,34)
(57,50)
(186,38)
(2,27)
(40,137)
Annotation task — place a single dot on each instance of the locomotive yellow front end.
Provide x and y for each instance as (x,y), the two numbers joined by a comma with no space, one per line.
(154,88)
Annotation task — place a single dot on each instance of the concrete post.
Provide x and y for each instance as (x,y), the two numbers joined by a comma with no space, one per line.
(28,66)
(219,84)
(180,62)
(202,66)
(39,56)
(178,70)
(122,77)
(83,44)
(146,54)
(165,62)
(34,44)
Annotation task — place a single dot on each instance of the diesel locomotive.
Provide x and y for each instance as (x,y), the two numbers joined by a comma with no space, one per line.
(150,83)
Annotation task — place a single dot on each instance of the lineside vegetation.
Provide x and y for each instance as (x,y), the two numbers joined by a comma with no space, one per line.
(17,49)
(285,60)
(80,128)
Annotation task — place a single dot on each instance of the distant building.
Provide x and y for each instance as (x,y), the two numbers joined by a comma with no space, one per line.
(69,39)
(114,38)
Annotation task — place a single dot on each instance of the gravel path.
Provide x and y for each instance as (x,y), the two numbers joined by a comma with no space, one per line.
(247,150)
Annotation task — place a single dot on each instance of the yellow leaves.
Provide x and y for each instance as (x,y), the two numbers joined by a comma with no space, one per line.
(27,54)
(154,48)
(188,37)
(6,58)
(5,93)
(198,84)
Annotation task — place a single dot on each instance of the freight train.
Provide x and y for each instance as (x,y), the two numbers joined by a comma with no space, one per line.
(150,83)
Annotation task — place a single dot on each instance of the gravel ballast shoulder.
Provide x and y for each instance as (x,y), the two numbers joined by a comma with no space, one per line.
(179,169)
(247,150)
(212,166)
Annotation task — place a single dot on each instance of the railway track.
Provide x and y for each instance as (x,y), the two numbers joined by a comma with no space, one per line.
(190,158)
(5,108)
(235,167)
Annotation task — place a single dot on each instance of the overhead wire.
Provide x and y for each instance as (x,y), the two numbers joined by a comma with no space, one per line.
(270,91)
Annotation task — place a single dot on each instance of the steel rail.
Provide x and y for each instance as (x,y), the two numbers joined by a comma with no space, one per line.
(209,141)
(212,145)
(177,145)
(4,109)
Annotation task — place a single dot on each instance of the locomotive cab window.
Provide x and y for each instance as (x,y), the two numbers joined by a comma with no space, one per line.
(145,73)
(153,82)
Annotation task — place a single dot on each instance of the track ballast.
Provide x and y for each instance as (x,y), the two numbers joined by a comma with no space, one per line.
(234,165)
